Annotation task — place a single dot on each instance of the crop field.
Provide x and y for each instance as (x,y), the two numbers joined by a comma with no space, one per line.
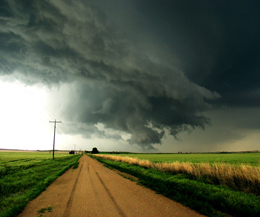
(212,184)
(24,175)
(228,158)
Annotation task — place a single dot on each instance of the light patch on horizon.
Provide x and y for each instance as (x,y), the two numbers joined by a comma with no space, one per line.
(23,121)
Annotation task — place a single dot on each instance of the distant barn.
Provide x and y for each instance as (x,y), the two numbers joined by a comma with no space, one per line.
(72,152)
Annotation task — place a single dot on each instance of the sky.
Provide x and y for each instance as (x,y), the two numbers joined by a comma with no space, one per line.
(139,76)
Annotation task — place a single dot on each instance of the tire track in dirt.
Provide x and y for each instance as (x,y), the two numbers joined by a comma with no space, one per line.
(108,172)
(121,212)
(69,204)
(93,188)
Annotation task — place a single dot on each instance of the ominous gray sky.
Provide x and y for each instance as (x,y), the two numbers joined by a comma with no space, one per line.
(143,72)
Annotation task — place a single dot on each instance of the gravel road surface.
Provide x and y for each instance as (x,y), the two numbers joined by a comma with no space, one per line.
(94,190)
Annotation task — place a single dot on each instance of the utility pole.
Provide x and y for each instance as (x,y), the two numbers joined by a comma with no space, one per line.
(54,135)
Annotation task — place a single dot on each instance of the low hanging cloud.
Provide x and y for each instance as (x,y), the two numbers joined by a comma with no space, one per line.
(112,81)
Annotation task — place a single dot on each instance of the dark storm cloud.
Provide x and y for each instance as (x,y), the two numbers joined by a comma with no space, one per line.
(216,41)
(124,84)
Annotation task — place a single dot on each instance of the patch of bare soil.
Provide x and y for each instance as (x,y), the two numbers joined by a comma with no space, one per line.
(94,190)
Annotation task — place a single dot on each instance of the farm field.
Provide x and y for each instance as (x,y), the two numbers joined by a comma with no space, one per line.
(228,158)
(9,157)
(208,183)
(24,175)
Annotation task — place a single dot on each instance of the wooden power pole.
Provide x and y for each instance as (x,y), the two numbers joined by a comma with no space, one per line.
(54,135)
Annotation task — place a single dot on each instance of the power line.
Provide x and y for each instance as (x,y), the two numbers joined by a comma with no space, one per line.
(54,135)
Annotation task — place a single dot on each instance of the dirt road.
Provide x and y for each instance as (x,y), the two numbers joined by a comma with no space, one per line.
(94,190)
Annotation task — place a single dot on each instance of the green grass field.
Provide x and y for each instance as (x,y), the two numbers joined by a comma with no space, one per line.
(230,158)
(26,158)
(24,175)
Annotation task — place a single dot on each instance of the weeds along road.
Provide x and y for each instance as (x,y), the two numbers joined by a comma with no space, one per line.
(94,190)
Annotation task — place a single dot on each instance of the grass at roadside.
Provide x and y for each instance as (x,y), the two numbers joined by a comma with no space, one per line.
(228,158)
(203,197)
(22,179)
(240,177)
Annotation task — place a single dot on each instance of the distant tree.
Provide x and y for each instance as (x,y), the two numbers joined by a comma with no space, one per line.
(94,151)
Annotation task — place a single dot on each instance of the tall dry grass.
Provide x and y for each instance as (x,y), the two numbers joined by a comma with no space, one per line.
(240,177)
